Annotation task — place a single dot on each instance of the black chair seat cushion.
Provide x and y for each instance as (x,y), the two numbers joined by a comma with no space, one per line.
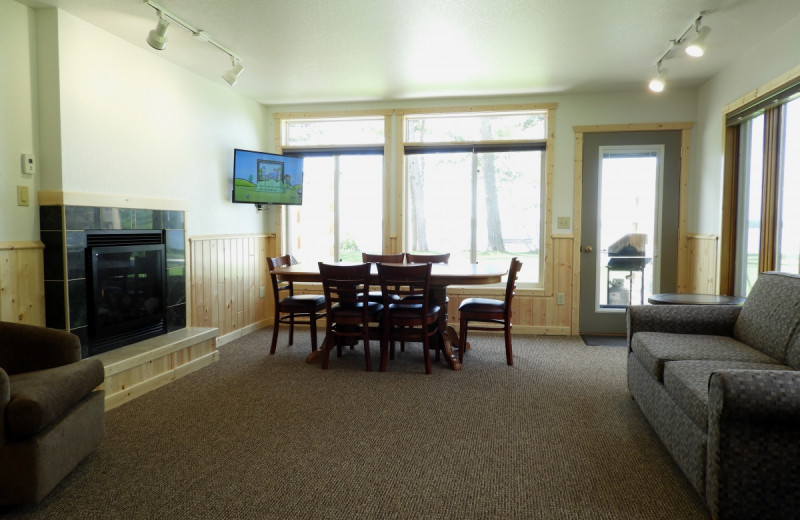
(481,305)
(302,302)
(341,311)
(405,311)
(38,398)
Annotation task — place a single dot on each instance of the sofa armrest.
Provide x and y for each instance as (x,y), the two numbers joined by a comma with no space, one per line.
(26,348)
(5,397)
(717,320)
(753,443)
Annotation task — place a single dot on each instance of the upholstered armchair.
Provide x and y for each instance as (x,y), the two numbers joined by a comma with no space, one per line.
(51,415)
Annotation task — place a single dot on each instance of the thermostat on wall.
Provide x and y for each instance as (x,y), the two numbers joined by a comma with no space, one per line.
(28,163)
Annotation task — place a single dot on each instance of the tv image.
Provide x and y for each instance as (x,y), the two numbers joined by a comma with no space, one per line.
(267,178)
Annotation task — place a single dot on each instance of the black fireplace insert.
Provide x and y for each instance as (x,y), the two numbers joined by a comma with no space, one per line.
(127,288)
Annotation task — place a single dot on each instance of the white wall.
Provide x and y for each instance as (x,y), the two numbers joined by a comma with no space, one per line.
(777,54)
(121,120)
(608,108)
(17,128)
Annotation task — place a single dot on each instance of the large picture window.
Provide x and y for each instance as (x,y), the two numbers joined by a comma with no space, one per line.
(343,187)
(764,164)
(475,187)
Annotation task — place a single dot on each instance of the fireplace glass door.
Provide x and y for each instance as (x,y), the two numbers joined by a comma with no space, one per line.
(128,295)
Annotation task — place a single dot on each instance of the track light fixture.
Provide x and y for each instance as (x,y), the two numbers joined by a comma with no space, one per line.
(232,76)
(657,84)
(157,39)
(695,49)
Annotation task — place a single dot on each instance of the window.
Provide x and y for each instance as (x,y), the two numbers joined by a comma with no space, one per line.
(475,187)
(343,184)
(764,182)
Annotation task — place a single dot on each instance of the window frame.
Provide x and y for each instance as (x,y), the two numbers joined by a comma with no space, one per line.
(772,105)
(282,119)
(546,269)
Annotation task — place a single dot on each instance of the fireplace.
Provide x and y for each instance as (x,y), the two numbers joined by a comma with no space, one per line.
(126,287)
(70,235)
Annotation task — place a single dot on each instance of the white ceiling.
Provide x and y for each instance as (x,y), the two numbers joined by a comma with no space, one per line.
(307,51)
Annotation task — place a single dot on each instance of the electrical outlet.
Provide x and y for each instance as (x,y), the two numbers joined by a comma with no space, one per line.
(560,298)
(262,291)
(563,223)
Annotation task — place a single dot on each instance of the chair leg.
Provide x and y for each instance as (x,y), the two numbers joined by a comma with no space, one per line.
(367,359)
(333,340)
(275,325)
(427,352)
(509,357)
(313,324)
(291,329)
(462,339)
(384,348)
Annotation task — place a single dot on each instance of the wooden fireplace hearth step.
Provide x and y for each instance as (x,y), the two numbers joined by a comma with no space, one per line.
(134,370)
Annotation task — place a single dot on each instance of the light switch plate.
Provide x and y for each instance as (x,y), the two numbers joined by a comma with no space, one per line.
(22,196)
(563,223)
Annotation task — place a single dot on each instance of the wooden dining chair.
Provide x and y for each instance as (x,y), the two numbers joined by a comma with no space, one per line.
(407,320)
(291,308)
(492,314)
(350,314)
(376,296)
(421,258)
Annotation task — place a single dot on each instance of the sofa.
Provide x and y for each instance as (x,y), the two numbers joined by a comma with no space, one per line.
(720,386)
(51,413)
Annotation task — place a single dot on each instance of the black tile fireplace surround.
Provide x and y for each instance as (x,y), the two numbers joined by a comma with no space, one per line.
(64,231)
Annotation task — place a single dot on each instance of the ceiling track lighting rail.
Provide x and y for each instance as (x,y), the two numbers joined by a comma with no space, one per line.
(157,39)
(697,33)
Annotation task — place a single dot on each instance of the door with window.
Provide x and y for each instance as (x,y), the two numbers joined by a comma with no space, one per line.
(629,227)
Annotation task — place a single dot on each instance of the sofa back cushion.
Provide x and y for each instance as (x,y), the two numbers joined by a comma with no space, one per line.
(771,314)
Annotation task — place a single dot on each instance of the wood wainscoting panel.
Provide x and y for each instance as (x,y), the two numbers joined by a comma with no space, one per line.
(701,274)
(22,283)
(230,286)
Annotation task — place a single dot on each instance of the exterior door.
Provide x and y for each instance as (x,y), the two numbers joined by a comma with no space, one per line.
(629,227)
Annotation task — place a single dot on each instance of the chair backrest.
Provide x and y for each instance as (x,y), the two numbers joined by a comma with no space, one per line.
(414,258)
(345,285)
(278,285)
(511,283)
(375,258)
(402,281)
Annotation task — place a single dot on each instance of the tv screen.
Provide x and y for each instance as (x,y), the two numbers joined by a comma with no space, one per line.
(267,178)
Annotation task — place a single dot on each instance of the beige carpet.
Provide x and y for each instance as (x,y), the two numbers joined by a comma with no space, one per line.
(556,436)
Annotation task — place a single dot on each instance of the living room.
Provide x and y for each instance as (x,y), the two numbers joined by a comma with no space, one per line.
(112,124)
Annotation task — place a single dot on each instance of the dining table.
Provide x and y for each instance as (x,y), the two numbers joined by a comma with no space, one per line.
(442,275)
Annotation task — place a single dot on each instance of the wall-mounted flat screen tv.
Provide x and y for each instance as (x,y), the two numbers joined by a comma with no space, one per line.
(267,178)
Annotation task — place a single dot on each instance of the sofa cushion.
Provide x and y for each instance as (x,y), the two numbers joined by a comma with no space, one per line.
(653,349)
(38,398)
(770,314)
(687,383)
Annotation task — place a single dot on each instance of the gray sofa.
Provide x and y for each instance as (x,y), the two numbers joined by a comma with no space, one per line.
(51,415)
(720,386)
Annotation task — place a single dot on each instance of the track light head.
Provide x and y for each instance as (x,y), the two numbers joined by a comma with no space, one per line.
(157,38)
(657,84)
(697,47)
(232,76)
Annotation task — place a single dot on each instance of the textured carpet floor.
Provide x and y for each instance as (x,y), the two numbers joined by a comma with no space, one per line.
(556,436)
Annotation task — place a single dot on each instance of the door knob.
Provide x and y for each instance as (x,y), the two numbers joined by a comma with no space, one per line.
(587,249)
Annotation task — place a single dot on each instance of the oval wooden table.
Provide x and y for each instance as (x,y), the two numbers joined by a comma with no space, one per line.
(442,275)
(694,299)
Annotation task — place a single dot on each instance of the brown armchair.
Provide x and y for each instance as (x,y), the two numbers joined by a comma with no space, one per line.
(51,415)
